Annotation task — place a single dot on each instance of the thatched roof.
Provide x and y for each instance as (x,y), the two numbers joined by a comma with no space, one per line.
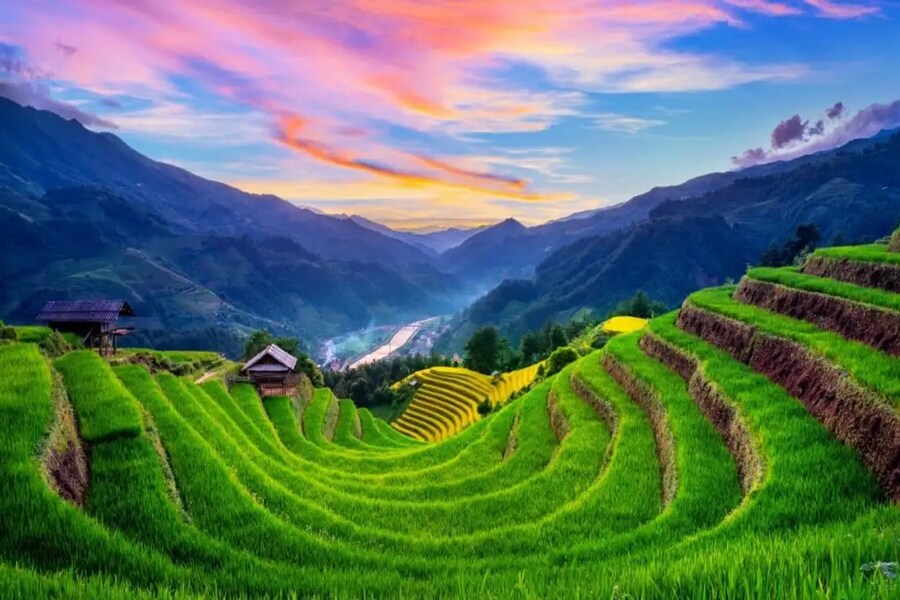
(90,311)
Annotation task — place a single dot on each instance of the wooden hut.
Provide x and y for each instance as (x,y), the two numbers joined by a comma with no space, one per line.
(94,321)
(273,371)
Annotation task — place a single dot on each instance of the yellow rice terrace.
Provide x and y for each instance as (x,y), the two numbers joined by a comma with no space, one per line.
(745,446)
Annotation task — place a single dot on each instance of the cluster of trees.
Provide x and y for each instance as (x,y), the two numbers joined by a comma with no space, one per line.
(370,385)
(641,306)
(487,351)
(805,240)
(261,338)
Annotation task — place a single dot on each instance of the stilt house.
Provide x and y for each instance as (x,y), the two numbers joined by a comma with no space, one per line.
(93,321)
(273,371)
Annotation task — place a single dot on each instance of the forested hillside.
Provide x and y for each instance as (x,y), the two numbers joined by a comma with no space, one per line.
(848,195)
(201,261)
(743,446)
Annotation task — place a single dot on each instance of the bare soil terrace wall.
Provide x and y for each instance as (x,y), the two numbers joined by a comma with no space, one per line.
(64,456)
(877,327)
(648,399)
(558,421)
(715,407)
(855,415)
(883,276)
(331,419)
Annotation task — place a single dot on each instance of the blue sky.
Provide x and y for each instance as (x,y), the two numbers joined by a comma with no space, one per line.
(419,113)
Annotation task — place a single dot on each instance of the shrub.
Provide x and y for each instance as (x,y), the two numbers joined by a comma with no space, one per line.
(56,344)
(559,359)
(8,333)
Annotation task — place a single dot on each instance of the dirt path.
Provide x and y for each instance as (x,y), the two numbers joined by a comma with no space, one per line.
(205,377)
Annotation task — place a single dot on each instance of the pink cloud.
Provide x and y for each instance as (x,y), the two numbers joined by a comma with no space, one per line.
(793,137)
(427,66)
(835,10)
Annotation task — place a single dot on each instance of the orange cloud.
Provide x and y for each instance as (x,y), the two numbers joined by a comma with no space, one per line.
(489,184)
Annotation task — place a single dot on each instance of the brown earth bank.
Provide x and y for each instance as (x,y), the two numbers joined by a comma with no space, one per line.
(512,442)
(883,276)
(357,426)
(331,419)
(894,246)
(603,408)
(715,406)
(877,327)
(558,421)
(857,416)
(65,457)
(648,399)
(168,474)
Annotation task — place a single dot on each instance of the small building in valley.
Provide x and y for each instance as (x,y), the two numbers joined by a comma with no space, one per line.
(93,321)
(273,371)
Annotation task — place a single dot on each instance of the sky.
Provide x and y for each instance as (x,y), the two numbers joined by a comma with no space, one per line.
(426,113)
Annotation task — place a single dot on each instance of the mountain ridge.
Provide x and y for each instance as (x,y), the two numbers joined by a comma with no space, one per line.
(850,193)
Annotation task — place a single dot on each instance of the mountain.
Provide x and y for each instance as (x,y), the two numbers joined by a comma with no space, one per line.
(435,242)
(486,255)
(522,252)
(684,244)
(100,219)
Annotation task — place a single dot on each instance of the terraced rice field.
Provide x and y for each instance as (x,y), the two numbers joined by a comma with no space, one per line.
(623,324)
(447,398)
(745,446)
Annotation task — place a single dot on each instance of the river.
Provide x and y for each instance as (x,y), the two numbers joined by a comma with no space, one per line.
(400,338)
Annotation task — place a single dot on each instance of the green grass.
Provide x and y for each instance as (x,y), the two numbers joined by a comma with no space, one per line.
(32,333)
(871,368)
(792,278)
(870,253)
(810,477)
(106,410)
(203,491)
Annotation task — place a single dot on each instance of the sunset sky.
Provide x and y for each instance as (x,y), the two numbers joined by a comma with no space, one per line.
(417,113)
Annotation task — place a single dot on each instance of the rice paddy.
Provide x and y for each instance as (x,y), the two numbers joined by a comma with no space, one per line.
(446,399)
(623,324)
(680,461)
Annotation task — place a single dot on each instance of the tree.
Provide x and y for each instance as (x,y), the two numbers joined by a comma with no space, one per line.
(806,238)
(306,365)
(640,306)
(531,347)
(556,336)
(483,350)
(359,392)
(560,358)
(258,340)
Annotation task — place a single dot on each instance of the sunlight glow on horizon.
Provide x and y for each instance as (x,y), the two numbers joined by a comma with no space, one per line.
(410,111)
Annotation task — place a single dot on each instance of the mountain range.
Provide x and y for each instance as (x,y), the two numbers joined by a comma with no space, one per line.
(686,237)
(84,215)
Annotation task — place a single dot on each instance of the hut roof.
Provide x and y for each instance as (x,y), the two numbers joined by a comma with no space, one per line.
(94,311)
(280,356)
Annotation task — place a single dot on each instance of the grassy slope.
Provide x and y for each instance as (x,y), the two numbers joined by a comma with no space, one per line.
(557,494)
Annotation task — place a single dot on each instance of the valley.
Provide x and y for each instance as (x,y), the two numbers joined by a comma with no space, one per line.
(395,343)
(450,300)
(732,436)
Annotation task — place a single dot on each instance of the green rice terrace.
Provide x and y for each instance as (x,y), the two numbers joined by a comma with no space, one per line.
(746,446)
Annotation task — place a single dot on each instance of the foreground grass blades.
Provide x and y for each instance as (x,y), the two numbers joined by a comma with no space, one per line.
(663,466)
